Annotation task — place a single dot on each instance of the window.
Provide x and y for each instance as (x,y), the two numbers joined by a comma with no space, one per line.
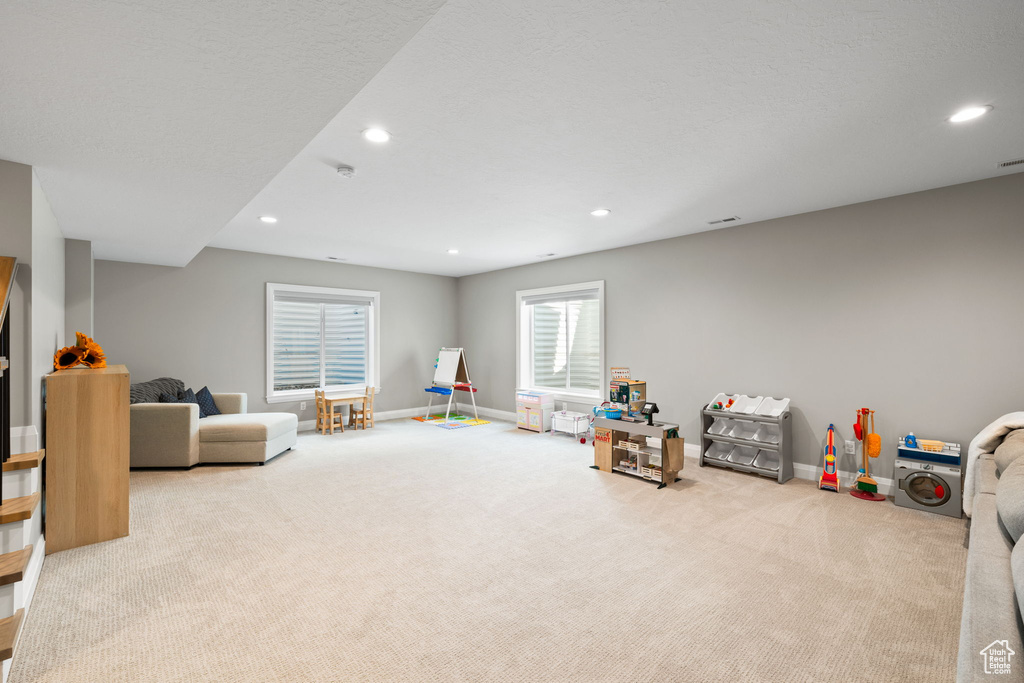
(320,338)
(560,340)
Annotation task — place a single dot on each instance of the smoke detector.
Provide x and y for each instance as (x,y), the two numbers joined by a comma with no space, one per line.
(346,171)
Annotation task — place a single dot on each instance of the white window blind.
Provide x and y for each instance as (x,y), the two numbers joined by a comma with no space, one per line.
(560,340)
(319,339)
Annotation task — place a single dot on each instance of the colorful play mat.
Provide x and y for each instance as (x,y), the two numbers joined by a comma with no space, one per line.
(455,421)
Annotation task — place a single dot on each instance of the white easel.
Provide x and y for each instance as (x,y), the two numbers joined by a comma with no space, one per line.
(451,374)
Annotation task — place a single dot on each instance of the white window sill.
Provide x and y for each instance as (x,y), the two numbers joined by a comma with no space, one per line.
(299,396)
(589,399)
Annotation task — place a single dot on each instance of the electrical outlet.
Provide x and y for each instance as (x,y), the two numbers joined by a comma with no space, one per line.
(851,447)
(302,406)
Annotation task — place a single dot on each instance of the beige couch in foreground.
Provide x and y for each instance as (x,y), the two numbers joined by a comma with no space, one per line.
(172,435)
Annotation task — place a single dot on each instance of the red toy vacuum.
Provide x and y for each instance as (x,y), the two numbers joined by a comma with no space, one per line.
(829,480)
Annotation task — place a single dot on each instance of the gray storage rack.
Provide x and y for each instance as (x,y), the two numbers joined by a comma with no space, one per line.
(784,448)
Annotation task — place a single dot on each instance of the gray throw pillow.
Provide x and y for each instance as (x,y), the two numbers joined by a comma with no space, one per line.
(1008,451)
(149,392)
(1010,499)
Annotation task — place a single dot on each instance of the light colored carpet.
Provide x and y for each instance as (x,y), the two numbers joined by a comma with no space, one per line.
(411,553)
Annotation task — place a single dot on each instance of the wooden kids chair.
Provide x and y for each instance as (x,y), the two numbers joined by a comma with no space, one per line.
(326,417)
(363,414)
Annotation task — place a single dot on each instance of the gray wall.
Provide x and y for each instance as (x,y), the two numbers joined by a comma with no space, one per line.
(16,240)
(205,323)
(47,296)
(78,286)
(912,306)
(30,232)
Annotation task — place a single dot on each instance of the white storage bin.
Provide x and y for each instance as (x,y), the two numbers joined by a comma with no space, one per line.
(721,425)
(743,430)
(743,455)
(721,398)
(767,460)
(773,407)
(719,451)
(767,433)
(746,405)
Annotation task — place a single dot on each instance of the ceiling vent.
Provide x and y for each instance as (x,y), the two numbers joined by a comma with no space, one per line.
(730,219)
(1007,164)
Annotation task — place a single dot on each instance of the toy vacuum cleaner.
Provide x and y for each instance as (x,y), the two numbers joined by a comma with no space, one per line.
(867,488)
(829,480)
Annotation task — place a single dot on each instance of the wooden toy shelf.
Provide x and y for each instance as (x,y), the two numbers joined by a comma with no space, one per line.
(783,449)
(607,452)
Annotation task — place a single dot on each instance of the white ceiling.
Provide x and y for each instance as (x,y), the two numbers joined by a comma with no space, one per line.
(512,120)
(150,123)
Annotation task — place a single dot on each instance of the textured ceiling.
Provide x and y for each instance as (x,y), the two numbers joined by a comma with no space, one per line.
(151,123)
(512,120)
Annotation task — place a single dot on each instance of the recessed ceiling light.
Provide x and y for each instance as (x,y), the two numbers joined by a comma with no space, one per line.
(453,251)
(969,113)
(376,135)
(600,212)
(268,219)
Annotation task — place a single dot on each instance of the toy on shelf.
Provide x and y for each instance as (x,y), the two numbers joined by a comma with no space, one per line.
(928,450)
(829,480)
(451,374)
(865,487)
(628,395)
(607,410)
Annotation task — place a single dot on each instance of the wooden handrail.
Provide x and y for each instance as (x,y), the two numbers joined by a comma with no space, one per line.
(7,264)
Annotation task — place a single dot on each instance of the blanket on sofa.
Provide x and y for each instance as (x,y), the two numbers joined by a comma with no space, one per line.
(987,440)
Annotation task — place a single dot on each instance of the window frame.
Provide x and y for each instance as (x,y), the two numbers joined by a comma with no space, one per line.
(372,346)
(524,342)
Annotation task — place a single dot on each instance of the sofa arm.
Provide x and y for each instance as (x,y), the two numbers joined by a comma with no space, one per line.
(230,404)
(164,434)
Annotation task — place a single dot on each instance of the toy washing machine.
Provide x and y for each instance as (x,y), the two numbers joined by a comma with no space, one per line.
(928,486)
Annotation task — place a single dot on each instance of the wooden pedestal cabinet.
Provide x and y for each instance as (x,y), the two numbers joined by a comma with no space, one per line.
(87,424)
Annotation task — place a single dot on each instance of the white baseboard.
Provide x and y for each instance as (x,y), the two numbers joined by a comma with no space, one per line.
(846,479)
(400,414)
(379,416)
(467,409)
(811,472)
(24,440)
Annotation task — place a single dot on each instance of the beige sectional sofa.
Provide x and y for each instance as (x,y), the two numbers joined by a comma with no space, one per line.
(172,435)
(994,584)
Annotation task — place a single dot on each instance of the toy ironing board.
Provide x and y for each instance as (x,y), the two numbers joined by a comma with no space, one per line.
(451,374)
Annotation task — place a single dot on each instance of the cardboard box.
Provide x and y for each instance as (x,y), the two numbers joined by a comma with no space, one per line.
(628,391)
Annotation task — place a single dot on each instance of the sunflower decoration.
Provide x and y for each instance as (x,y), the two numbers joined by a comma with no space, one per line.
(68,357)
(86,351)
(93,356)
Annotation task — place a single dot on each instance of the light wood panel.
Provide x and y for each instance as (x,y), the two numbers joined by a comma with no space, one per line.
(24,461)
(12,565)
(87,461)
(9,628)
